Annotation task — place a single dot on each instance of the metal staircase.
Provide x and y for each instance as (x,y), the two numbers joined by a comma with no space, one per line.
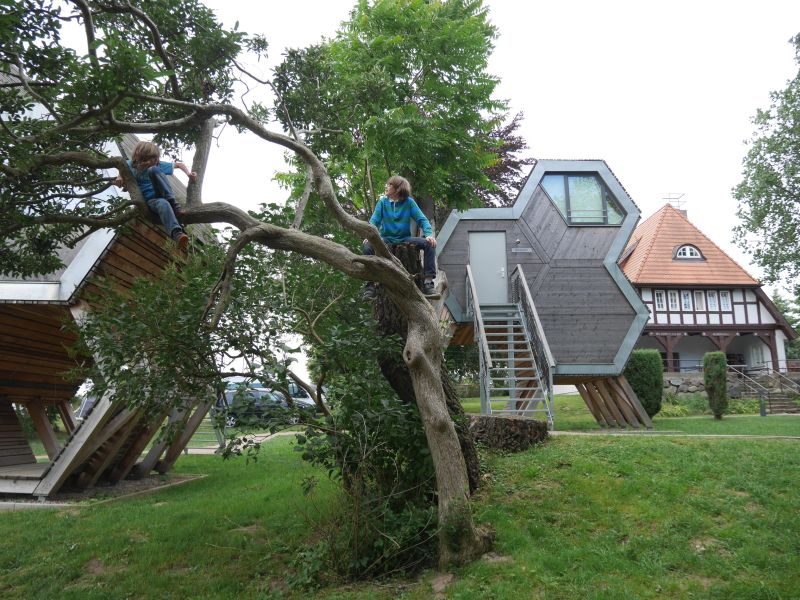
(515,362)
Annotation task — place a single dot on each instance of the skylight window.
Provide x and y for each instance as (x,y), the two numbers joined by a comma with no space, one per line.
(583,199)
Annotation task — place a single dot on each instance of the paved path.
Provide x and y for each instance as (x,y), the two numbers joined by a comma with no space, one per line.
(264,437)
(676,434)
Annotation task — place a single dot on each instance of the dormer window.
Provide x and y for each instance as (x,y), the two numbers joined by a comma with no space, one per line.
(582,199)
(688,252)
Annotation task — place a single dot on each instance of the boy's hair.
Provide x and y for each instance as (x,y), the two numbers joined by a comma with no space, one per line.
(145,153)
(401,185)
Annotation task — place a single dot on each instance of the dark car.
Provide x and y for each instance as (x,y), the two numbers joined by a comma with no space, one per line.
(251,404)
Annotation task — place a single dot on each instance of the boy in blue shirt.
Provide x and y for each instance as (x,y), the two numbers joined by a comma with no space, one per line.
(149,171)
(392,216)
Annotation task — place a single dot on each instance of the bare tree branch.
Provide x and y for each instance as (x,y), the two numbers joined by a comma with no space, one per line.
(303,200)
(199,163)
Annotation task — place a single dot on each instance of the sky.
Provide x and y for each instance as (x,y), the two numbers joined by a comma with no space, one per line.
(663,92)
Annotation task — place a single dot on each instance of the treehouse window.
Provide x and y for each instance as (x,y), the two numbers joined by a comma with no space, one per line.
(582,199)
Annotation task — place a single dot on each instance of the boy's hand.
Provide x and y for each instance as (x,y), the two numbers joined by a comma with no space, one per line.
(431,241)
(192,176)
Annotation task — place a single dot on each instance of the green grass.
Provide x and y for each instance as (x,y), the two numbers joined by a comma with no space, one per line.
(571,414)
(227,535)
(579,517)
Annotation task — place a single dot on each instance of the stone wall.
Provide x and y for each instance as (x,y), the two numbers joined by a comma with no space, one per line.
(692,383)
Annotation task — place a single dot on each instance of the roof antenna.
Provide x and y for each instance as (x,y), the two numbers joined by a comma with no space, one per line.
(675,199)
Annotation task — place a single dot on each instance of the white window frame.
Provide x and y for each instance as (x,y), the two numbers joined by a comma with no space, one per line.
(699,300)
(712,300)
(725,301)
(659,301)
(686,301)
(688,251)
(672,296)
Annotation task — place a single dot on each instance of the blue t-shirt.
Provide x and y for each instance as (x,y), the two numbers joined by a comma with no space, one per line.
(393,219)
(143,179)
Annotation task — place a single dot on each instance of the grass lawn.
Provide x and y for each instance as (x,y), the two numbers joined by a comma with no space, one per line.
(571,414)
(593,517)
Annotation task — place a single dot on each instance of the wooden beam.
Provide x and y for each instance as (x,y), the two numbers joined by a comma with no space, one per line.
(149,462)
(41,423)
(69,457)
(126,464)
(619,399)
(598,400)
(65,411)
(118,421)
(634,400)
(106,455)
(587,399)
(600,387)
(174,451)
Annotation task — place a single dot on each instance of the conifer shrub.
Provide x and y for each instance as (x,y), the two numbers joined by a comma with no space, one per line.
(715,371)
(645,373)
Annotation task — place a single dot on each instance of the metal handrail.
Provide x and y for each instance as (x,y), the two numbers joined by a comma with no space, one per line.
(545,363)
(753,386)
(551,363)
(474,305)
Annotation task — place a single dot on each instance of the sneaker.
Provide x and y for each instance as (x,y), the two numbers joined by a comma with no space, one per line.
(428,289)
(369,292)
(181,240)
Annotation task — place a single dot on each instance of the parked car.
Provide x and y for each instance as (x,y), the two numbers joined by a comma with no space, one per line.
(251,404)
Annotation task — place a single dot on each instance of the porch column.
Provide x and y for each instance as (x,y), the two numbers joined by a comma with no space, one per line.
(769,339)
(668,342)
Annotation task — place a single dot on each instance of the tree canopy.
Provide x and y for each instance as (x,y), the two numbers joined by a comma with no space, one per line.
(403,88)
(167,70)
(769,193)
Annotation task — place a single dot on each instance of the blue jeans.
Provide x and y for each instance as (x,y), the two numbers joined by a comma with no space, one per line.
(428,253)
(163,204)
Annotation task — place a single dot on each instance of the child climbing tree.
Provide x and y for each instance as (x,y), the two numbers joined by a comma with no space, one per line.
(153,72)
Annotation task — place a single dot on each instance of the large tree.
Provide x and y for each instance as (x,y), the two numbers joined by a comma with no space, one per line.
(166,68)
(403,87)
(769,194)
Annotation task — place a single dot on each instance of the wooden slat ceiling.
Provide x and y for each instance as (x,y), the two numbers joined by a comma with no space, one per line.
(33,337)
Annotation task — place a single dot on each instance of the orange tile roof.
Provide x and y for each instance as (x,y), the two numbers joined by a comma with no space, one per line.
(653,244)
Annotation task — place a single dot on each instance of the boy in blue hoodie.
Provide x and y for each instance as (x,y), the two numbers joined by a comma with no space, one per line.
(392,216)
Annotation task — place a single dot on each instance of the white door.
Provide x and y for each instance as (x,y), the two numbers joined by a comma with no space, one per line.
(487,259)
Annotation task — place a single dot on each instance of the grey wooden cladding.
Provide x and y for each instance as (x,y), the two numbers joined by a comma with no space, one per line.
(584,313)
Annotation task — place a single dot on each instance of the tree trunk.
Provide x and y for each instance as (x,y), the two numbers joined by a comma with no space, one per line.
(392,321)
(414,319)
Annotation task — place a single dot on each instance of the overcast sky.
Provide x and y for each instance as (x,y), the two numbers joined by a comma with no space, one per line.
(663,92)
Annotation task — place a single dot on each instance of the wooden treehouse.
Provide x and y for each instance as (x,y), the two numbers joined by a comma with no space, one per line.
(537,287)
(107,445)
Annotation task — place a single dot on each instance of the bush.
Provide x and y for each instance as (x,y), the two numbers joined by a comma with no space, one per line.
(645,373)
(715,374)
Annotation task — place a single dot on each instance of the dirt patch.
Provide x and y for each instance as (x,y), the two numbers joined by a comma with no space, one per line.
(106,493)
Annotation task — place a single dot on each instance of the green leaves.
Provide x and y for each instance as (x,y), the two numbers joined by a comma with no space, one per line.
(769,193)
(402,88)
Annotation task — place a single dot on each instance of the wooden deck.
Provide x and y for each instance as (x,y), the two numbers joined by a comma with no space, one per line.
(22,479)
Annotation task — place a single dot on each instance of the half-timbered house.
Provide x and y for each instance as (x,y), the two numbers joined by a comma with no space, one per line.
(537,286)
(699,299)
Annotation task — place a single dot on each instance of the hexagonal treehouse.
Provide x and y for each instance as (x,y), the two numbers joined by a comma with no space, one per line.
(108,443)
(537,287)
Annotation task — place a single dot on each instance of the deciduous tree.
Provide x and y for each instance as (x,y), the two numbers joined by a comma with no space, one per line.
(769,193)
(166,68)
